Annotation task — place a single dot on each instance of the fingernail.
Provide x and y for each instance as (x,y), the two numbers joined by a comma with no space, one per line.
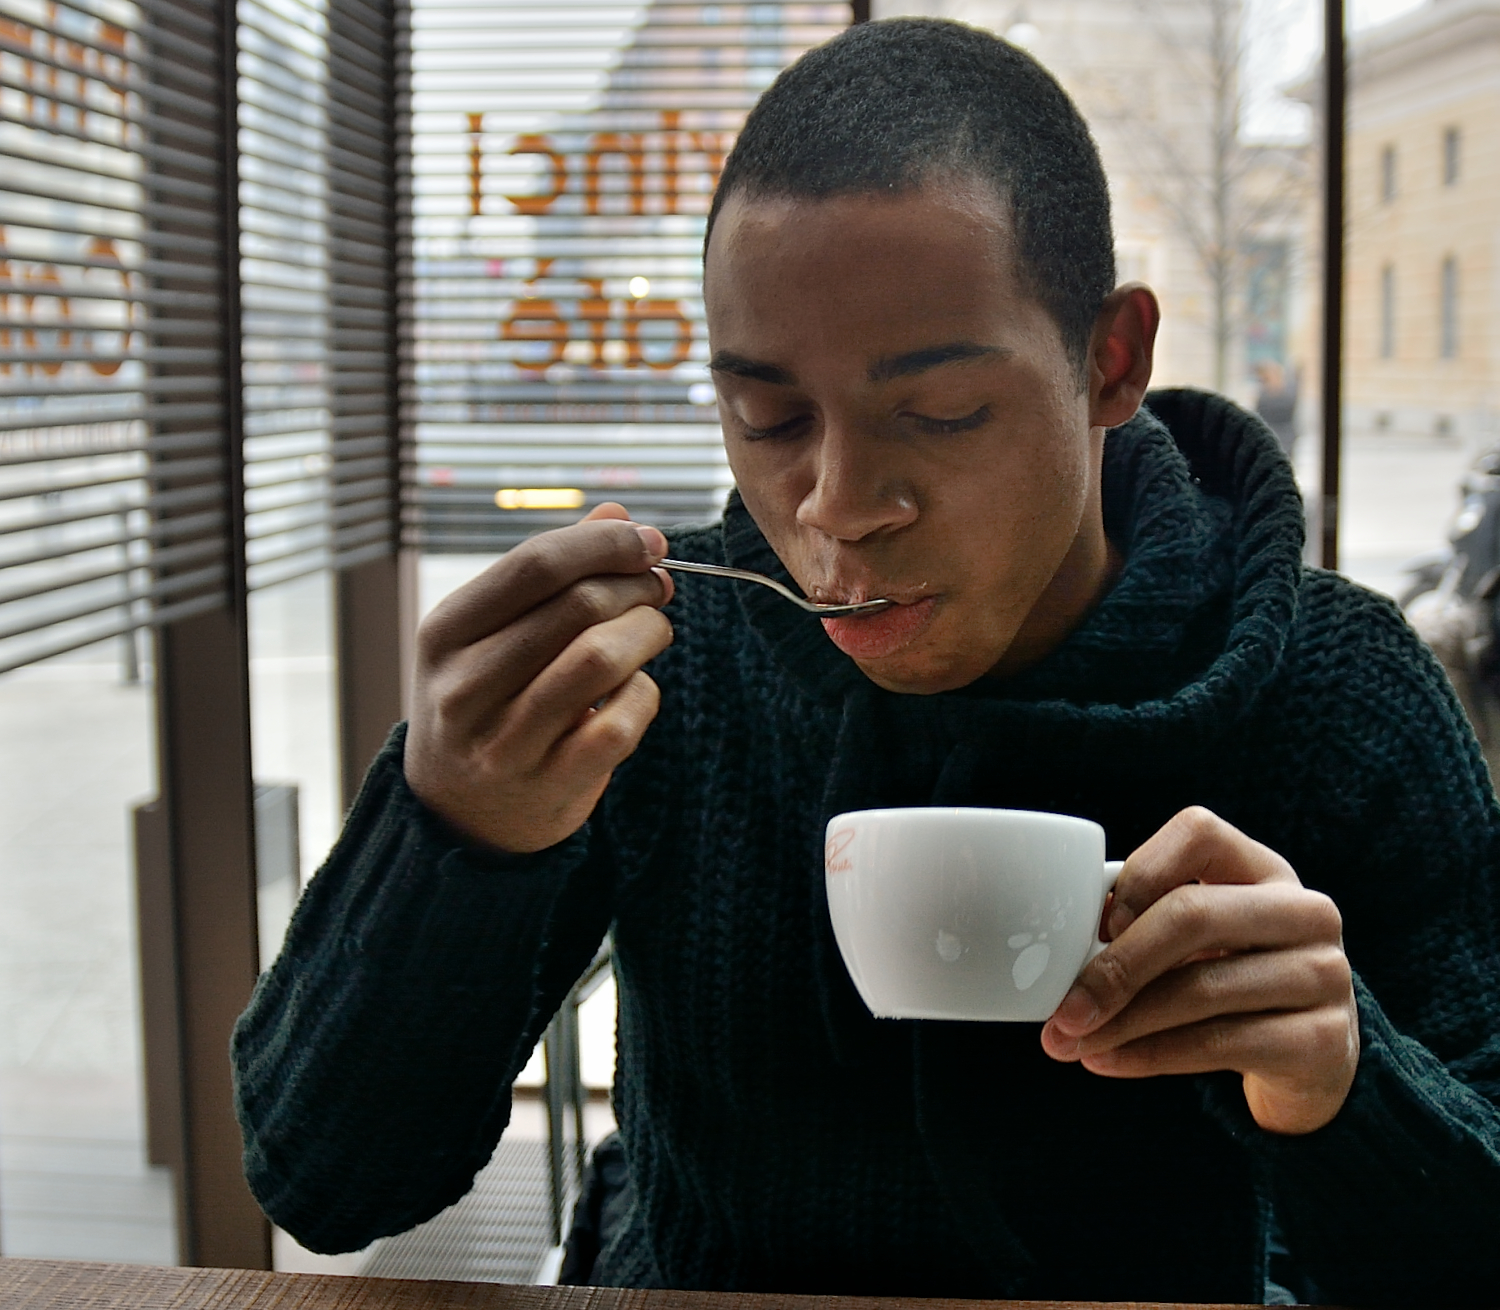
(1060,1046)
(656,544)
(1077,1011)
(1120,918)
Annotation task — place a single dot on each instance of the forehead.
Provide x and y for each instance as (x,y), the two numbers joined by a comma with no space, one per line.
(923,260)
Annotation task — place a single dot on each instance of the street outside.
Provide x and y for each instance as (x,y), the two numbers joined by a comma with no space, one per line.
(1398,495)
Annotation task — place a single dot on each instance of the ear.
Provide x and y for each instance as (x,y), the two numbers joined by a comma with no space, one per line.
(1120,354)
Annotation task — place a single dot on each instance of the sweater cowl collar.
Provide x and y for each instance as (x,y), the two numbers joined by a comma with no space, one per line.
(1202,504)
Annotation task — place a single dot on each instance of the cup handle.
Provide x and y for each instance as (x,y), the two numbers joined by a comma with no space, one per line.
(1111,875)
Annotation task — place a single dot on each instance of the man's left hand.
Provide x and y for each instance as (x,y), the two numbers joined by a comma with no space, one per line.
(1219,958)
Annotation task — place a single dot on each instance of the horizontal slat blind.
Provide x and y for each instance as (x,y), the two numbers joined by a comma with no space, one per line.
(112,481)
(365,153)
(564,159)
(283,139)
(317,160)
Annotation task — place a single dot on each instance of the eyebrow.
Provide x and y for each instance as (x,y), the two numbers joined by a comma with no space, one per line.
(919,361)
(726,361)
(882,370)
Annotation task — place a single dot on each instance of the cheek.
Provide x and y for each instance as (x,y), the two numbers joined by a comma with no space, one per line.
(768,483)
(1021,514)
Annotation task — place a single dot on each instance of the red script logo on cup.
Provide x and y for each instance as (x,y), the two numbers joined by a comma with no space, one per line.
(834,859)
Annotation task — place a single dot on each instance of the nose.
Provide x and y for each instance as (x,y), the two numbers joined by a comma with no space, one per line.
(854,493)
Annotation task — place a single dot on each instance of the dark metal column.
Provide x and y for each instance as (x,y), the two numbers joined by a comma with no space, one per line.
(1333,277)
(204,741)
(196,843)
(370,623)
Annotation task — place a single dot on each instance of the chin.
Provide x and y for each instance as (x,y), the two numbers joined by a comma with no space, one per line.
(915,677)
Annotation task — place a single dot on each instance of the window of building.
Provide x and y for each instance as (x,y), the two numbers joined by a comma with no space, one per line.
(1388,174)
(1449,309)
(1388,312)
(1452,148)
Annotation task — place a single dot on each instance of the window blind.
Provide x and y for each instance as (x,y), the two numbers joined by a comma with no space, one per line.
(113,476)
(367,153)
(564,156)
(283,144)
(317,190)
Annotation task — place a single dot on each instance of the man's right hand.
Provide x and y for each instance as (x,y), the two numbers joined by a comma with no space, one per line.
(529,690)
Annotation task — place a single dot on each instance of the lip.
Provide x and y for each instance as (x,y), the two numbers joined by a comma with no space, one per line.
(876,636)
(856,593)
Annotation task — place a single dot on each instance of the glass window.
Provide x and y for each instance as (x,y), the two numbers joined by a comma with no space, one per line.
(284,249)
(1215,220)
(1388,311)
(77,752)
(77,749)
(1416,416)
(563,173)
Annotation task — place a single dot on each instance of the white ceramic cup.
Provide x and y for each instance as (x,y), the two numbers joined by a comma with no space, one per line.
(965,913)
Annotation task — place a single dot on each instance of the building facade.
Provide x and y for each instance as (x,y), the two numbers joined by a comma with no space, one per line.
(1423,251)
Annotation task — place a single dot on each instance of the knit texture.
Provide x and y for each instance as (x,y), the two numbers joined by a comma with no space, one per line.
(778,1137)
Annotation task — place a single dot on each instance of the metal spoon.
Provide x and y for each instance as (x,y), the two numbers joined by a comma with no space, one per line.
(744,575)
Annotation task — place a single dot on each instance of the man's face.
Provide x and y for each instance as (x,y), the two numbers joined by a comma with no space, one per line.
(902,420)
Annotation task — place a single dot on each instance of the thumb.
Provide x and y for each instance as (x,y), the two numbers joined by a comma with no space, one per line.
(608,510)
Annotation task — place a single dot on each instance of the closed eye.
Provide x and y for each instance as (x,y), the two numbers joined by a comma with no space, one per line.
(949,426)
(789,428)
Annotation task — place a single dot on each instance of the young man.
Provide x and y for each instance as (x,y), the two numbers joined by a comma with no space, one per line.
(931,391)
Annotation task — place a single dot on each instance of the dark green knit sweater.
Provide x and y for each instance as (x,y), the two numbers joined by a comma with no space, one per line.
(779,1137)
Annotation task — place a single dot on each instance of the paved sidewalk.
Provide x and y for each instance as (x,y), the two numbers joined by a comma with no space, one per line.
(76,752)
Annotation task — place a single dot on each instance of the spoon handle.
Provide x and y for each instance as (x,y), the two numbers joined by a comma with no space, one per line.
(744,575)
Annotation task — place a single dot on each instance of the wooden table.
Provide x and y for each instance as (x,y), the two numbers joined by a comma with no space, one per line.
(70,1285)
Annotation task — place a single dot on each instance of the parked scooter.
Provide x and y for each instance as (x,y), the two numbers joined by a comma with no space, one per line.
(1451,599)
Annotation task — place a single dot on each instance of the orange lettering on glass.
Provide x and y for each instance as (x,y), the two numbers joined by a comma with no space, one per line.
(649,182)
(72,71)
(22,287)
(596,321)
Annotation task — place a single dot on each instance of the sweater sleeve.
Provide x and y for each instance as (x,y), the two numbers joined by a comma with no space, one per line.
(1396,1199)
(373,1066)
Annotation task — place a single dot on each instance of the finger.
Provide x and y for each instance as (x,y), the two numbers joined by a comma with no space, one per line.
(532,574)
(612,509)
(1306,1045)
(1300,979)
(1195,845)
(611,732)
(1186,921)
(473,685)
(596,663)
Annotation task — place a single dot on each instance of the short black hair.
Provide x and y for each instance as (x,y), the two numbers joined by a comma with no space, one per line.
(886,105)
